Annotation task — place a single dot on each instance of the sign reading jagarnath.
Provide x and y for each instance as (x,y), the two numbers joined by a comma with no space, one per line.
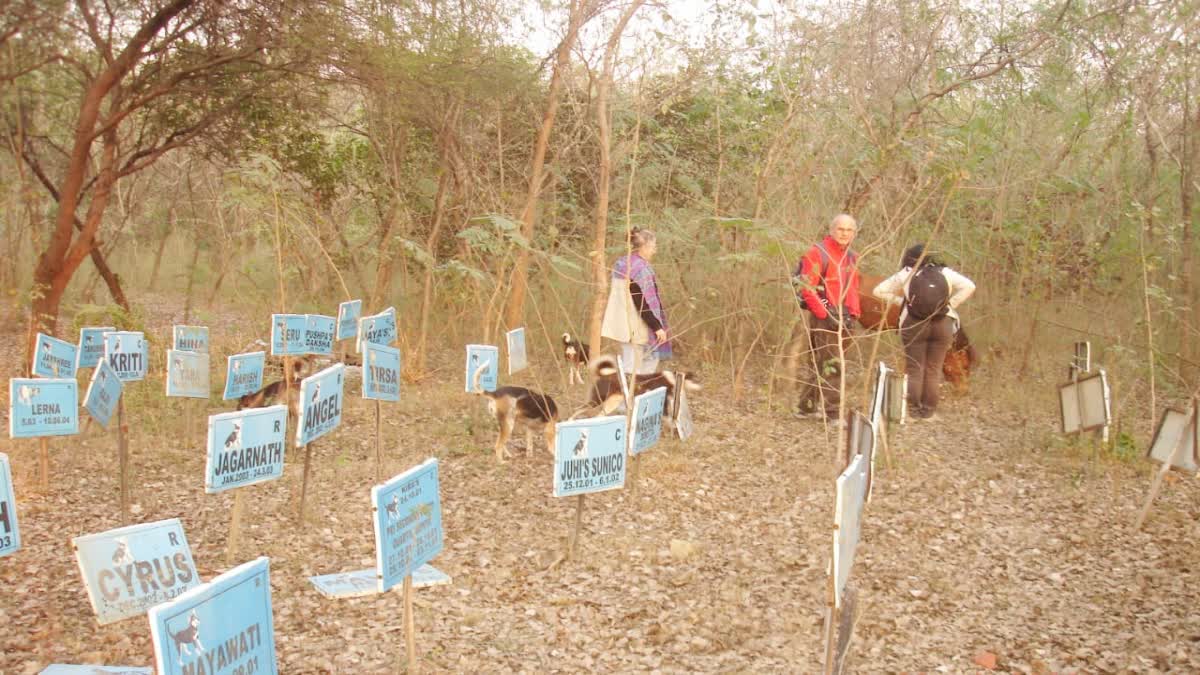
(408,522)
(245,447)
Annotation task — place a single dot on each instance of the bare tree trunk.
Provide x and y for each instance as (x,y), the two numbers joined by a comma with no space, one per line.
(435,232)
(162,245)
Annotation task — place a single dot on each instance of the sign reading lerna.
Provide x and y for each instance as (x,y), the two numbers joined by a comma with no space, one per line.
(40,407)
(381,372)
(244,374)
(245,447)
(91,345)
(223,627)
(378,329)
(130,569)
(127,354)
(53,357)
(851,491)
(320,404)
(64,669)
(517,358)
(408,522)
(479,356)
(10,534)
(589,456)
(187,374)
(347,319)
(647,420)
(189,338)
(103,393)
(318,333)
(287,334)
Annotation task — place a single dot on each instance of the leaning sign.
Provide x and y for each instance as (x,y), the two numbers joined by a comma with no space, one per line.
(10,534)
(245,447)
(53,357)
(187,374)
(647,420)
(347,319)
(91,345)
(408,522)
(103,393)
(42,407)
(130,569)
(320,404)
(244,374)
(851,493)
(127,354)
(486,357)
(223,627)
(379,329)
(589,456)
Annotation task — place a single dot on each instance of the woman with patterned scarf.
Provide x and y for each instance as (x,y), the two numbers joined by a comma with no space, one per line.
(635,316)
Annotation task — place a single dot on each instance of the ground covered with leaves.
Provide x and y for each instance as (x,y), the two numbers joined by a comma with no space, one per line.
(988,543)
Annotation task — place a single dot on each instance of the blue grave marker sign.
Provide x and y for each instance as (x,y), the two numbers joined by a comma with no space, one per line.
(187,374)
(378,329)
(381,372)
(103,393)
(477,357)
(408,522)
(10,533)
(53,357)
(245,447)
(287,334)
(42,407)
(128,354)
(646,428)
(518,360)
(91,345)
(130,569)
(349,313)
(320,404)
(66,669)
(189,338)
(318,333)
(244,374)
(223,627)
(589,456)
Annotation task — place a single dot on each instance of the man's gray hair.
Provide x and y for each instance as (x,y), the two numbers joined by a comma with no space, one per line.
(841,217)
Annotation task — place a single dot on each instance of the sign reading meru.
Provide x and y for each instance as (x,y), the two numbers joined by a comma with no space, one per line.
(103,393)
(381,372)
(589,456)
(10,534)
(187,374)
(223,627)
(39,407)
(408,522)
(320,404)
(130,569)
(245,447)
(647,420)
(127,354)
(91,345)
(53,357)
(244,374)
(287,334)
(190,338)
(347,319)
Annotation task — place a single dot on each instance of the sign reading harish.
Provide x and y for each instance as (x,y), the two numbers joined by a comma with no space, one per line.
(244,374)
(408,522)
(245,447)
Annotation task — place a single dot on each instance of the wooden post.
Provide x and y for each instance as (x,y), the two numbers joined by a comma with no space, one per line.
(123,458)
(573,547)
(831,617)
(410,638)
(44,461)
(304,485)
(379,443)
(235,527)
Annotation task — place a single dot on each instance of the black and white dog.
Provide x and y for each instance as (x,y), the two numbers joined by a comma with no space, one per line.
(576,353)
(607,392)
(518,405)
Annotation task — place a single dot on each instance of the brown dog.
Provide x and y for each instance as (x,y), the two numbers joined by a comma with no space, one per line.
(511,406)
(608,394)
(273,393)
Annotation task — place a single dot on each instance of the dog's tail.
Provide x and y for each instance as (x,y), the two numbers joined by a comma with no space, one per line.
(689,383)
(475,388)
(603,366)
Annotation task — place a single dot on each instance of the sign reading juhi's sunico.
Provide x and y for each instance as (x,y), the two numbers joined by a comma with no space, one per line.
(287,334)
(408,522)
(646,428)
(223,627)
(377,329)
(320,404)
(65,669)
(381,372)
(244,374)
(10,534)
(190,338)
(517,358)
(347,319)
(103,393)
(53,357)
(318,333)
(91,345)
(245,447)
(127,354)
(130,569)
(42,407)
(589,456)
(187,374)
(479,356)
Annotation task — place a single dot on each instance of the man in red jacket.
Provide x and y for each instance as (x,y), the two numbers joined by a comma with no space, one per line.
(827,285)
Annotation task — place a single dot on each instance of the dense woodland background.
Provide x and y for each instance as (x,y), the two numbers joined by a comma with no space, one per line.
(287,156)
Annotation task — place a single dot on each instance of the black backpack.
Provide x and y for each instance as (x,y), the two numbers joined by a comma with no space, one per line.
(928,293)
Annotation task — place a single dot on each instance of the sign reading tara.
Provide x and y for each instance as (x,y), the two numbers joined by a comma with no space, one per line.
(486,357)
(589,456)
(517,359)
(245,447)
(187,374)
(647,420)
(91,345)
(287,334)
(64,669)
(378,329)
(244,374)
(53,357)
(347,319)
(130,569)
(381,372)
(365,582)
(223,627)
(127,354)
(408,522)
(42,407)
(318,333)
(103,393)
(320,404)
(10,534)
(189,338)
(851,492)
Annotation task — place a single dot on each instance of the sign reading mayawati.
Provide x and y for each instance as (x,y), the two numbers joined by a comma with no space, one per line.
(320,404)
(245,447)
(42,407)
(589,456)
(408,522)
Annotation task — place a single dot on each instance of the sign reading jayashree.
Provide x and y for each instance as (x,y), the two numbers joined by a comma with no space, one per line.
(318,333)
(408,522)
(103,393)
(127,354)
(42,407)
(189,338)
(347,319)
(244,374)
(10,533)
(91,345)
(381,372)
(589,455)
(245,447)
(223,627)
(320,404)
(130,569)
(647,420)
(53,357)
(187,374)
(287,334)
(378,329)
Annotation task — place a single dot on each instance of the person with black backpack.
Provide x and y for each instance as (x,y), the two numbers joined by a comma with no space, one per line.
(929,292)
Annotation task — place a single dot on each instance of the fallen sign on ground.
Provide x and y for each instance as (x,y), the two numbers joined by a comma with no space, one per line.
(517,358)
(244,374)
(245,447)
(477,357)
(1084,404)
(91,345)
(842,601)
(53,357)
(347,319)
(187,374)
(130,569)
(103,394)
(223,626)
(10,531)
(128,354)
(366,582)
(287,334)
(189,338)
(65,669)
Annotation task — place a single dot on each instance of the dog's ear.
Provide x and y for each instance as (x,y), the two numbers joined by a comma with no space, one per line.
(691,385)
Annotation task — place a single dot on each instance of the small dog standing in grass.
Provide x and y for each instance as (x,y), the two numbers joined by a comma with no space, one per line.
(576,353)
(517,405)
